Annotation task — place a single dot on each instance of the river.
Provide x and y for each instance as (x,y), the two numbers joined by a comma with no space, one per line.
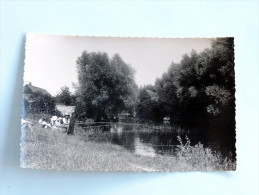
(154,142)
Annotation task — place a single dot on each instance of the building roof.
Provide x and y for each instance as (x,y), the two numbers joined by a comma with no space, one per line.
(35,89)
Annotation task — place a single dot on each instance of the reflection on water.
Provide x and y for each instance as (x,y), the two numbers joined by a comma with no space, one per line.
(144,149)
(153,143)
(144,143)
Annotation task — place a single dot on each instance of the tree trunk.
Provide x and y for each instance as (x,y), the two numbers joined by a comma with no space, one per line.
(71,126)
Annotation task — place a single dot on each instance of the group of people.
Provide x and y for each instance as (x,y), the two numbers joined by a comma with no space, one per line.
(55,122)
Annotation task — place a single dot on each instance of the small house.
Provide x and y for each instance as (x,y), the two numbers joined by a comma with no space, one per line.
(30,89)
(37,100)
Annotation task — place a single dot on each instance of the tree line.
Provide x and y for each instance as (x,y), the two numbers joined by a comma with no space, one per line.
(198,92)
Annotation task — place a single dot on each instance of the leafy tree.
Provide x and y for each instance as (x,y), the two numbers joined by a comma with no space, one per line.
(145,104)
(106,86)
(149,108)
(65,96)
(201,86)
(199,92)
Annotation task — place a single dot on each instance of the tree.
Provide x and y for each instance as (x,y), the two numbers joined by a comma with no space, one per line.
(199,92)
(106,86)
(201,88)
(65,96)
(149,108)
(145,104)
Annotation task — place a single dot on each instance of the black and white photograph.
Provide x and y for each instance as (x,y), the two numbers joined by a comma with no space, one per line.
(134,104)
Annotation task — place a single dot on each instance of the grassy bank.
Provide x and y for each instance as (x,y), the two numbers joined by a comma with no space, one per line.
(53,149)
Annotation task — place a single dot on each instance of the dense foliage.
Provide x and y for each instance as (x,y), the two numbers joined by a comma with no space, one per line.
(38,103)
(198,92)
(65,97)
(106,86)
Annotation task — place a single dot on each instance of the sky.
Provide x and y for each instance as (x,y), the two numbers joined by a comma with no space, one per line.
(50,60)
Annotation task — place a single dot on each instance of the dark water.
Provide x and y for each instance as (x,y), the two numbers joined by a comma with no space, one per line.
(155,142)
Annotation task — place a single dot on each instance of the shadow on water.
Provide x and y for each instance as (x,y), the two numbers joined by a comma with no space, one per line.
(148,140)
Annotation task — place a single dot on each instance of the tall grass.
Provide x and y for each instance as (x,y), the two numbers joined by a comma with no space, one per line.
(199,157)
(52,149)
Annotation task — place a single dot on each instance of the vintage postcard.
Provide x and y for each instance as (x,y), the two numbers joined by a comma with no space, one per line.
(128,104)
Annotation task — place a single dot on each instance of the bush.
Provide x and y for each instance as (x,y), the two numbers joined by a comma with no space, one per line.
(201,158)
(40,104)
(65,97)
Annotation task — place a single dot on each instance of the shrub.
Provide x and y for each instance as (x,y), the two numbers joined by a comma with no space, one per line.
(38,104)
(201,158)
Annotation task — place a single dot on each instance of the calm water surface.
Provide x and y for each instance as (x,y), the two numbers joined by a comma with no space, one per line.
(153,143)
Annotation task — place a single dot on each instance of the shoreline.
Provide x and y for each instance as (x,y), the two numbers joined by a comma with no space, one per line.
(52,149)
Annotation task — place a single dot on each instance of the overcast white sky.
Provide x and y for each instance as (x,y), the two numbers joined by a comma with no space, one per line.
(50,61)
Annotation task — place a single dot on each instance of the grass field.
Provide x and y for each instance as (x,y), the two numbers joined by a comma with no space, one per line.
(52,149)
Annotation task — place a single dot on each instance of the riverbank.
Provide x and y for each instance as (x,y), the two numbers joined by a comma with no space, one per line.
(53,149)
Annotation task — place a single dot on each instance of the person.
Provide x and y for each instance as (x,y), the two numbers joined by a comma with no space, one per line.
(26,124)
(40,121)
(53,119)
(44,124)
(65,120)
(59,122)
